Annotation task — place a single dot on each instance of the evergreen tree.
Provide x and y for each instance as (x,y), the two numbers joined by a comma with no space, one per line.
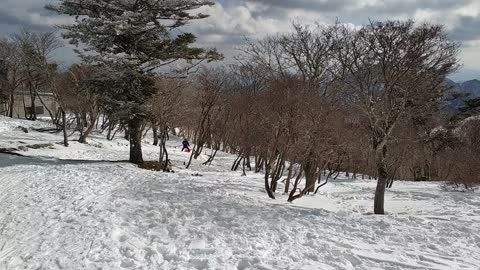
(130,40)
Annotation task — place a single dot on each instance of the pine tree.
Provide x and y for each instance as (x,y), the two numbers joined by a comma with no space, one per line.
(130,40)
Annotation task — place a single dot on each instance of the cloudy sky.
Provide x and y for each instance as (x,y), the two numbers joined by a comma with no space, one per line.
(233,20)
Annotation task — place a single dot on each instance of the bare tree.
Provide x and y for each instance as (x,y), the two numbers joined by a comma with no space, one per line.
(211,84)
(299,68)
(165,105)
(390,69)
(10,55)
(37,68)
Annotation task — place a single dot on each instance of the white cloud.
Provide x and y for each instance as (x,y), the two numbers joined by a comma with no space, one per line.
(232,20)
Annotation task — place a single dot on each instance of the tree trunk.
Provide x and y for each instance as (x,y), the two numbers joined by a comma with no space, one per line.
(243,168)
(379,201)
(267,186)
(90,126)
(390,183)
(126,135)
(287,182)
(50,113)
(259,164)
(163,151)
(65,136)
(323,184)
(248,163)
(161,154)
(235,168)
(11,103)
(213,154)
(111,126)
(33,112)
(191,157)
(165,165)
(135,135)
(310,179)
(291,196)
(277,173)
(155,134)
(198,149)
(236,162)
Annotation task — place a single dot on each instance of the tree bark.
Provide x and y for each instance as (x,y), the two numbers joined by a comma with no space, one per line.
(267,186)
(65,135)
(236,162)
(191,157)
(111,126)
(198,150)
(11,103)
(155,134)
(163,151)
(310,179)
(248,163)
(291,196)
(90,126)
(287,181)
(135,136)
(33,112)
(243,168)
(213,154)
(259,161)
(50,113)
(379,200)
(277,173)
(165,165)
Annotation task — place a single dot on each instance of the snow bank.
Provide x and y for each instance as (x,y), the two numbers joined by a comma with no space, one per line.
(89,213)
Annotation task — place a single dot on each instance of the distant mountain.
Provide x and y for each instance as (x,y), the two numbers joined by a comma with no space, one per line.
(462,91)
(472,87)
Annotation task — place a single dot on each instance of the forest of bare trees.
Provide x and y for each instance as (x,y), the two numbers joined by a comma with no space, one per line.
(298,108)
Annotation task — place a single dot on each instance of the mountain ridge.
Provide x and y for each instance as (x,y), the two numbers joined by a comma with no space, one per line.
(461,91)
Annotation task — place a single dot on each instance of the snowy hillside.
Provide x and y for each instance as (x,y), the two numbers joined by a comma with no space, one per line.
(82,207)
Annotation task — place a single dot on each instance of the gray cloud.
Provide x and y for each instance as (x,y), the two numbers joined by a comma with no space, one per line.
(28,13)
(320,5)
(232,20)
(9,19)
(359,6)
(467,29)
(358,11)
(410,6)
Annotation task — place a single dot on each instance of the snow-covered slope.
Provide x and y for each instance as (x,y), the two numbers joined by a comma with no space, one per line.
(72,208)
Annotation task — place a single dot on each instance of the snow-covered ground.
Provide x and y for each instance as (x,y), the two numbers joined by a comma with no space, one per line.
(73,208)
